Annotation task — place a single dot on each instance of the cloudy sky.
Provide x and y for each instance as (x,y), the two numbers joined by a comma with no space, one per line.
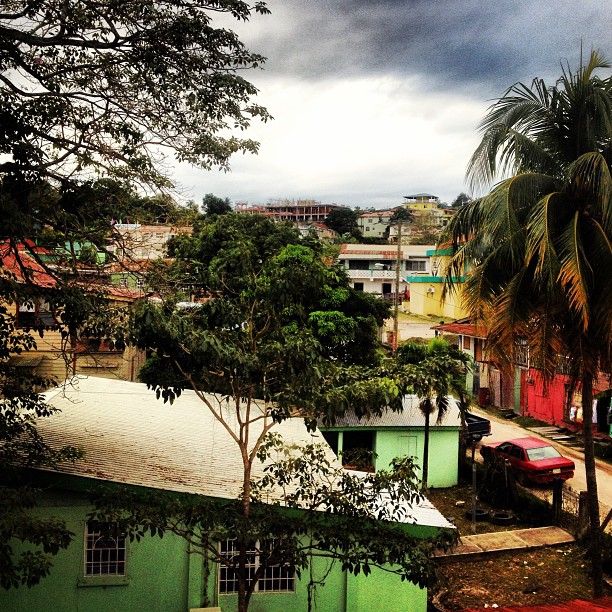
(376,99)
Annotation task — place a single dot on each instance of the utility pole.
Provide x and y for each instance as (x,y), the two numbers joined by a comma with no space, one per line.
(398,260)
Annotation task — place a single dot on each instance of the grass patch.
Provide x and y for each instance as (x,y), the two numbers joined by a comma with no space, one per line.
(527,422)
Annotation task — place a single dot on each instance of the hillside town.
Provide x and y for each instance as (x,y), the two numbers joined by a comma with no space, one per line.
(375,398)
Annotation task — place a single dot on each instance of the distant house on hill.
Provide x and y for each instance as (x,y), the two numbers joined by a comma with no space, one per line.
(375,224)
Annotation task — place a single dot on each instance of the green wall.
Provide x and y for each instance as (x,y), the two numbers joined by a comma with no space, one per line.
(163,577)
(156,573)
(390,594)
(392,442)
(443,451)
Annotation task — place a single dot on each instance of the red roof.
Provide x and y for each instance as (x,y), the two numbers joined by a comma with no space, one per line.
(464,329)
(577,605)
(26,268)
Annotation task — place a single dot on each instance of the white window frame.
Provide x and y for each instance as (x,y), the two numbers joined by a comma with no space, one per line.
(104,555)
(276,578)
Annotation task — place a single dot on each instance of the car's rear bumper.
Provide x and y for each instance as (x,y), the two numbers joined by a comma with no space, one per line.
(549,477)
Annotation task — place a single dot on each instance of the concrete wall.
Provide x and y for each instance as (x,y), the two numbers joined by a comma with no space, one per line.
(443,451)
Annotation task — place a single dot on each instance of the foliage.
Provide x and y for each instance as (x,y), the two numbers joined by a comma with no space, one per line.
(92,96)
(541,240)
(111,86)
(321,511)
(442,370)
(402,214)
(214,205)
(461,200)
(344,221)
(20,407)
(277,330)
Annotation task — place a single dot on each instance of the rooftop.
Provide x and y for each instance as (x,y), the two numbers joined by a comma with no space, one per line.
(411,416)
(130,437)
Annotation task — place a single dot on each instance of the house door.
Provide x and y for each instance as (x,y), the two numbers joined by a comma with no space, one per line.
(386,288)
(407,445)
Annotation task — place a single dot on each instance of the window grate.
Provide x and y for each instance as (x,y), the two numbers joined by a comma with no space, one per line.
(105,550)
(275,578)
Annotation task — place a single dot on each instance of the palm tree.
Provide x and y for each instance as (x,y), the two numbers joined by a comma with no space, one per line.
(540,242)
(442,370)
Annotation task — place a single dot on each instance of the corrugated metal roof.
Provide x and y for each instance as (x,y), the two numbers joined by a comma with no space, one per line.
(465,329)
(381,249)
(130,437)
(411,416)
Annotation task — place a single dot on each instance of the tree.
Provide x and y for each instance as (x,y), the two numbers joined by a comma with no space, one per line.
(461,200)
(19,409)
(99,89)
(272,334)
(322,512)
(443,369)
(541,240)
(213,205)
(344,221)
(112,86)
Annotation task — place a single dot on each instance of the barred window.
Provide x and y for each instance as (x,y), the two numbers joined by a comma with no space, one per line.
(275,578)
(104,550)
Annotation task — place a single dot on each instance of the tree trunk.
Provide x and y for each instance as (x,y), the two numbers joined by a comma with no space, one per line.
(595,535)
(244,589)
(425,471)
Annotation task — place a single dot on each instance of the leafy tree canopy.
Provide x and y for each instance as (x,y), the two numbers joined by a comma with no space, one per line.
(214,205)
(461,200)
(89,90)
(344,221)
(112,86)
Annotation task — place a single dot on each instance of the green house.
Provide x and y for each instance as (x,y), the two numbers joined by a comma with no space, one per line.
(132,439)
(396,434)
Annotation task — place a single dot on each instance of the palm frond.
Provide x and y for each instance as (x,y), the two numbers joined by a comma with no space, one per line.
(541,231)
(589,178)
(576,273)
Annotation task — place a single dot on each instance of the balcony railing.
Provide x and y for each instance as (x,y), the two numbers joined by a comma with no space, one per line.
(371,273)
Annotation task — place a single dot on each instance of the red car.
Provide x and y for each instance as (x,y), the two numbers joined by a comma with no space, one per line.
(531,459)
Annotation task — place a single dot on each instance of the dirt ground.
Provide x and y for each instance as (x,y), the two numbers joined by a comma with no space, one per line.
(548,575)
(543,576)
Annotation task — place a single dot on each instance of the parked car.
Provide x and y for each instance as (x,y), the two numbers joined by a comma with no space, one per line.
(531,459)
(476,428)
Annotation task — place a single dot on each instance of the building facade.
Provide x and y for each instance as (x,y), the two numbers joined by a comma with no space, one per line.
(372,267)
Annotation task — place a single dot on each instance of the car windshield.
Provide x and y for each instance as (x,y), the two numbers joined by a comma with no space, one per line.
(542,452)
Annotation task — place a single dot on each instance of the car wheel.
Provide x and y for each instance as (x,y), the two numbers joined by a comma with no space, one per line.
(476,438)
(480,514)
(522,479)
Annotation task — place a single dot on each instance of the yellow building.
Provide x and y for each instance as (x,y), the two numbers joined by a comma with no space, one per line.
(426,291)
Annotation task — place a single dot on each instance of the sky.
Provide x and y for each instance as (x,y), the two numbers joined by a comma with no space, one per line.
(377,99)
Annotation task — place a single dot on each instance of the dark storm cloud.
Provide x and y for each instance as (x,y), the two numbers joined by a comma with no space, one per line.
(449,43)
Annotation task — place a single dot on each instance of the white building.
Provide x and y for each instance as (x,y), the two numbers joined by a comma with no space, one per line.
(372,267)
